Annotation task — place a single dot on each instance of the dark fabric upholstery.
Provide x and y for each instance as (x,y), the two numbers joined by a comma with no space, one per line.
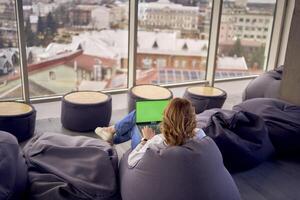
(282,120)
(202,103)
(132,98)
(85,117)
(265,86)
(242,137)
(192,171)
(64,167)
(22,126)
(13,170)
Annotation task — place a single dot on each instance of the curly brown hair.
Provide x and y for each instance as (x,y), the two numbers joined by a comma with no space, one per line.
(179,122)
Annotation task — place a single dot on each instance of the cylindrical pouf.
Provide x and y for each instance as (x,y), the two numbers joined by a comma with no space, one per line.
(85,110)
(18,119)
(264,86)
(193,171)
(147,92)
(204,98)
(13,169)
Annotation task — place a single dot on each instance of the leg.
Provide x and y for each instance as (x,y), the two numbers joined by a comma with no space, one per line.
(136,136)
(124,129)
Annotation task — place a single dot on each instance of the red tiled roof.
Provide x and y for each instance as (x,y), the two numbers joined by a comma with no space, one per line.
(87,62)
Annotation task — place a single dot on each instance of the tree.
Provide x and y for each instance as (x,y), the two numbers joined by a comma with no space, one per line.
(1,42)
(31,37)
(258,57)
(61,15)
(51,24)
(40,25)
(237,49)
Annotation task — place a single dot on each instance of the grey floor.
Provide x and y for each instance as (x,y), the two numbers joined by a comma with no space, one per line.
(272,180)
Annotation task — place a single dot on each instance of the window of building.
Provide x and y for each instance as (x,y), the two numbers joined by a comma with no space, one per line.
(161,63)
(147,63)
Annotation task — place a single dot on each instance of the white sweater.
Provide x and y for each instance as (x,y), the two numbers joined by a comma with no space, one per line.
(158,140)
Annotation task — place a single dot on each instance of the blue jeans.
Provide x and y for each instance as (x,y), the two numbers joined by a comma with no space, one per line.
(127,129)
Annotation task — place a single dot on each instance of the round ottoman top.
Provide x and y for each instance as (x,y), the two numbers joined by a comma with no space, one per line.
(151,92)
(205,91)
(14,108)
(86,97)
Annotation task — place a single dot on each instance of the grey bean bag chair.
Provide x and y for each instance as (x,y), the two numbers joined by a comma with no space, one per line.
(193,171)
(265,86)
(13,169)
(282,120)
(64,167)
(242,137)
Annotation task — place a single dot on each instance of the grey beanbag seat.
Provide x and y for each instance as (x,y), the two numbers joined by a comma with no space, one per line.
(64,167)
(282,120)
(242,137)
(193,171)
(265,86)
(13,169)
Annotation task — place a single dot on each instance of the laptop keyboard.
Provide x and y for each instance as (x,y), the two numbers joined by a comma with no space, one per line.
(155,128)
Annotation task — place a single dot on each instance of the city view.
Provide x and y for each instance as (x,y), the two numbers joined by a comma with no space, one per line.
(83,44)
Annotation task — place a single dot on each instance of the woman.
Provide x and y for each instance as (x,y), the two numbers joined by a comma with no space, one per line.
(177,127)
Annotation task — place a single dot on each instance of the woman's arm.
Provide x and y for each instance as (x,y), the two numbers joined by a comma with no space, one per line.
(137,154)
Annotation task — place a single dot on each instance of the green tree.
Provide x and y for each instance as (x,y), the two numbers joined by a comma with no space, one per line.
(258,57)
(237,49)
(31,37)
(61,15)
(40,25)
(51,24)
(1,42)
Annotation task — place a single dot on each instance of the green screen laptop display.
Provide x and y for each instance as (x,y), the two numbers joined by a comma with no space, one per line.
(150,111)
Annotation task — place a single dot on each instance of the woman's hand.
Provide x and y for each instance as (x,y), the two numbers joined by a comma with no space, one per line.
(148,133)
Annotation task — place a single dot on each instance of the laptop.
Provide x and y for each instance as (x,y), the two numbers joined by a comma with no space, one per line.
(150,113)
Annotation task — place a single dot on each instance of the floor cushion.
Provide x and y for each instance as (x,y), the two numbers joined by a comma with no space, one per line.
(13,169)
(204,97)
(18,119)
(71,167)
(282,120)
(242,137)
(192,171)
(84,111)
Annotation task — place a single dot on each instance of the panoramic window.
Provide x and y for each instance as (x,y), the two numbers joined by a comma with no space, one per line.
(243,44)
(10,82)
(76,45)
(174,34)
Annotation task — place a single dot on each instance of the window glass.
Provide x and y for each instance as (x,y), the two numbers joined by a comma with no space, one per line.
(84,43)
(176,41)
(10,81)
(242,49)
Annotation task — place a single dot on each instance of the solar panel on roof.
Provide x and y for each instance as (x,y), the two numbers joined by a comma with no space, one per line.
(186,75)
